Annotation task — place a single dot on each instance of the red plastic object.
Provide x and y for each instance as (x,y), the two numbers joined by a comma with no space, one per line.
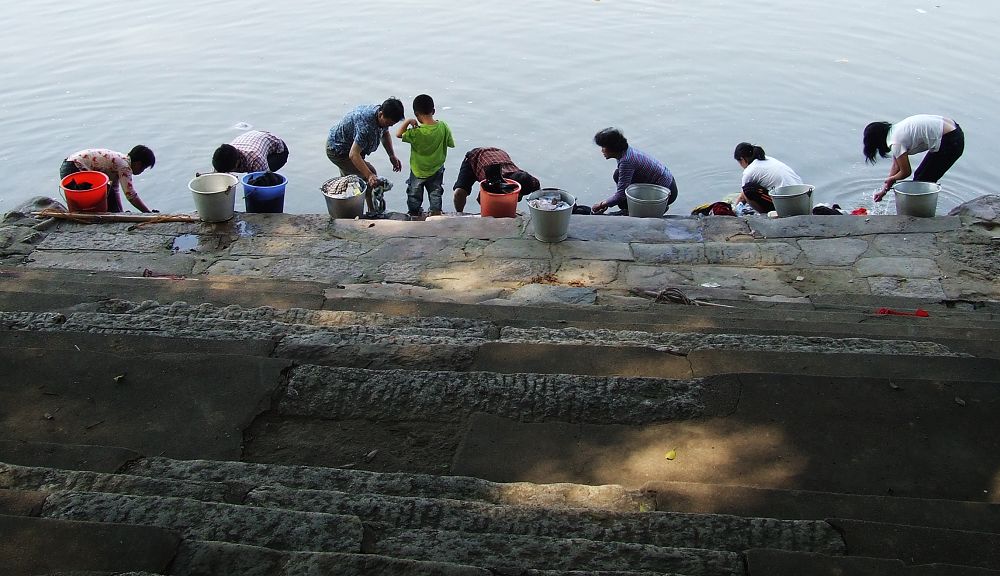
(920,312)
(500,205)
(859,211)
(93,200)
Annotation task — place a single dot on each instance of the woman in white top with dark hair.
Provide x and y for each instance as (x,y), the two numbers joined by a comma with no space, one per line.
(942,138)
(761,174)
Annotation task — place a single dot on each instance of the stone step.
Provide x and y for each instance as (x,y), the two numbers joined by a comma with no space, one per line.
(183,404)
(442,396)
(192,519)
(779,432)
(14,477)
(609,498)
(716,532)
(514,553)
(332,329)
(920,544)
(694,497)
(182,319)
(197,558)
(784,563)
(33,546)
(48,290)
(713,532)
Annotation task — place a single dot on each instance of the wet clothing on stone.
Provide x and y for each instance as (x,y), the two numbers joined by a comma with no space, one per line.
(115,165)
(259,151)
(637,167)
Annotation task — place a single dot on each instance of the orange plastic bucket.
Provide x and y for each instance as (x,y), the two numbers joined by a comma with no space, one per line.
(499,205)
(93,200)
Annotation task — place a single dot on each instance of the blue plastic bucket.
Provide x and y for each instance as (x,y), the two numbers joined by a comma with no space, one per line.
(263,199)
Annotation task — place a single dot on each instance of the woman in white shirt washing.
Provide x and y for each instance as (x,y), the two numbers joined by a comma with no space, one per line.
(761,174)
(942,138)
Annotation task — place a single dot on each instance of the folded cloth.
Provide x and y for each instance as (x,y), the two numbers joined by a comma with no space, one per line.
(339,186)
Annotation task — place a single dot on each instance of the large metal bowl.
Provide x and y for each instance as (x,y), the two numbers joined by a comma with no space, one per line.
(916,198)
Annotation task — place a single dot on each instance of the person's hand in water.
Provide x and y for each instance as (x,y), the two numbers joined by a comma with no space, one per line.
(885,190)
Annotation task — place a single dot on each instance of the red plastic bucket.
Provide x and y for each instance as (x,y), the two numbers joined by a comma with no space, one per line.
(93,200)
(499,205)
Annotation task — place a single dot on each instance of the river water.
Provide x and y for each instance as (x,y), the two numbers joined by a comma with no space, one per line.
(685,80)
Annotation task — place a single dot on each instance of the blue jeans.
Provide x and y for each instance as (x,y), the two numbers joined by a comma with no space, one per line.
(415,192)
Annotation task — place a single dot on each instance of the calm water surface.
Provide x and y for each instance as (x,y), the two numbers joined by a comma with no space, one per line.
(685,80)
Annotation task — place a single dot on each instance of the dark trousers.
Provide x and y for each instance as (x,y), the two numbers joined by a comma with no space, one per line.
(935,164)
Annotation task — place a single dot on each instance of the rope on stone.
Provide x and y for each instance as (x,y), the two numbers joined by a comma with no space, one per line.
(674,295)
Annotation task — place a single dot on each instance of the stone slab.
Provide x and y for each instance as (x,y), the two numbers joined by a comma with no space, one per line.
(897,267)
(402,292)
(34,546)
(99,241)
(425,250)
(459,228)
(126,263)
(596,273)
(762,281)
(915,288)
(316,247)
(21,502)
(486,273)
(617,229)
(584,360)
(826,227)
(921,544)
(544,294)
(512,248)
(834,251)
(577,249)
(725,229)
(66,456)
(718,253)
(906,245)
(784,563)
(703,498)
(190,405)
(328,271)
(282,225)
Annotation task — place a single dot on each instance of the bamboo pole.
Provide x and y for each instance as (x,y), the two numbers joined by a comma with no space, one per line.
(109,217)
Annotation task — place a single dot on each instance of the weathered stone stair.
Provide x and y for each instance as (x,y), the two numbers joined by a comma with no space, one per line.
(827,441)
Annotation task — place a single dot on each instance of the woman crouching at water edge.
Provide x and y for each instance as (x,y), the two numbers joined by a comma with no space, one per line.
(761,174)
(634,167)
(942,138)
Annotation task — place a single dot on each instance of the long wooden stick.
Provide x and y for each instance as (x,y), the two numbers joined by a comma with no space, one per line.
(104,218)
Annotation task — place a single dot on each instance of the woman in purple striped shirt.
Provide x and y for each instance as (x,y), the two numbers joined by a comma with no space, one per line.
(634,167)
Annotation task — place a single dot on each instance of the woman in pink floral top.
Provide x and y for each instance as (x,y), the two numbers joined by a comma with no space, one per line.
(119,169)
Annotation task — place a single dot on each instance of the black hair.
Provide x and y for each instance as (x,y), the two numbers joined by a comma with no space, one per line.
(748,152)
(142,155)
(528,182)
(423,104)
(226,158)
(875,141)
(392,109)
(612,139)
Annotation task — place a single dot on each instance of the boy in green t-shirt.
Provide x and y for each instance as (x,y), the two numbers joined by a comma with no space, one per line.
(429,140)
